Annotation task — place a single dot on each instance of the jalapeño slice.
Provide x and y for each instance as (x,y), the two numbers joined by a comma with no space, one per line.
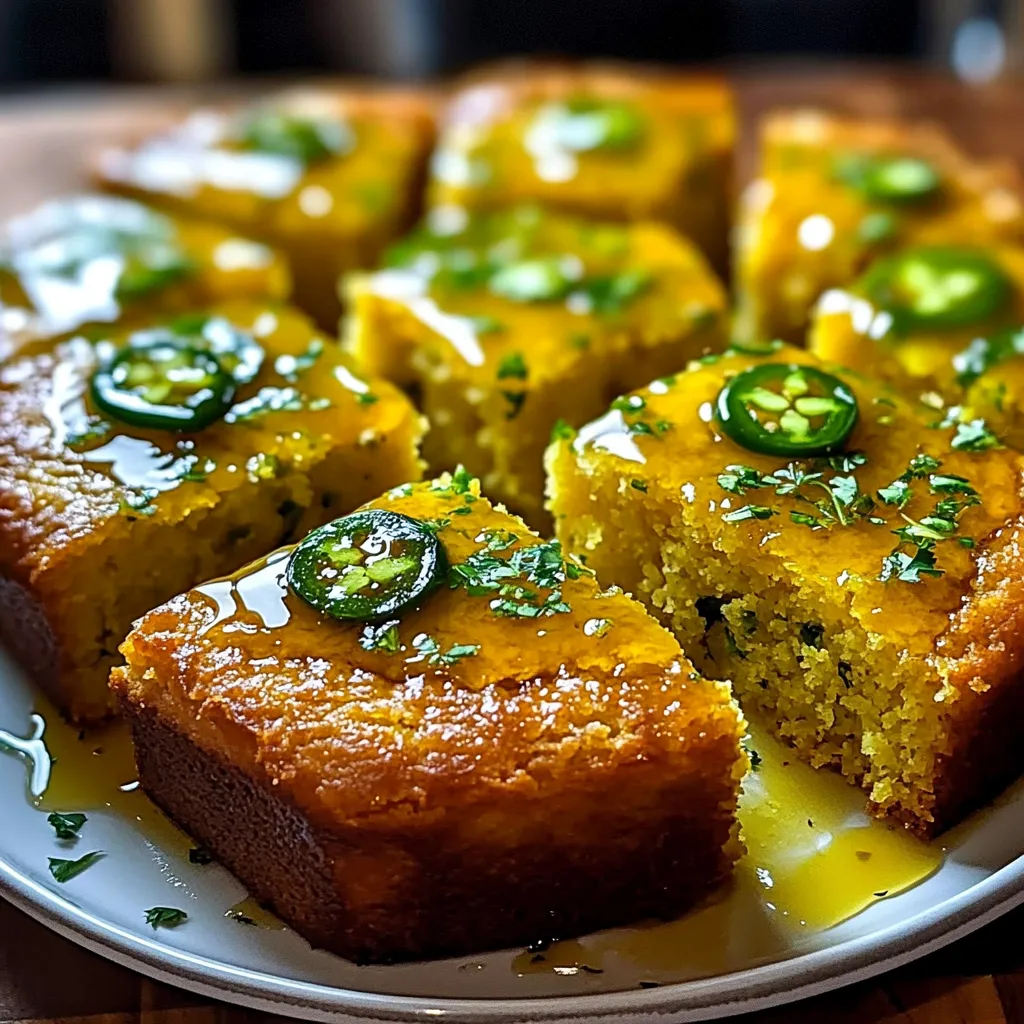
(236,350)
(934,288)
(306,139)
(900,179)
(889,179)
(163,384)
(538,280)
(585,123)
(367,566)
(786,409)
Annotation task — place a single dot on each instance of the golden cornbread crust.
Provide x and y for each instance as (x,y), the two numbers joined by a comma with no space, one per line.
(337,214)
(910,686)
(779,278)
(494,374)
(95,532)
(686,183)
(560,780)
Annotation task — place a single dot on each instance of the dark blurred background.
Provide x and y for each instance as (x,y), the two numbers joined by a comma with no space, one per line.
(62,41)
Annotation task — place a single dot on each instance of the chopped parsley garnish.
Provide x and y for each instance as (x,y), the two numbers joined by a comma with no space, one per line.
(64,870)
(165,917)
(437,525)
(366,398)
(67,826)
(909,568)
(741,515)
(836,501)
(956,495)
(139,503)
(430,649)
(458,482)
(638,485)
(515,400)
(514,584)
(380,638)
(974,436)
(983,354)
(629,403)
(561,431)
(512,365)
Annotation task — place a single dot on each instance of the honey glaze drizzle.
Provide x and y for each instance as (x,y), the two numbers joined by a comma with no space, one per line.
(813,860)
(33,749)
(92,770)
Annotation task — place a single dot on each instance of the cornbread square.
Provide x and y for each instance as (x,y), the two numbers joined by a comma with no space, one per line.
(610,142)
(328,176)
(808,223)
(975,370)
(470,775)
(100,520)
(506,323)
(99,259)
(897,660)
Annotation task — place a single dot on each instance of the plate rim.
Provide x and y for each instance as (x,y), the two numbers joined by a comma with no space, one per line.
(753,988)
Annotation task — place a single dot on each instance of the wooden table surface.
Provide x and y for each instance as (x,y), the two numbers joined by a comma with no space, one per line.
(43,144)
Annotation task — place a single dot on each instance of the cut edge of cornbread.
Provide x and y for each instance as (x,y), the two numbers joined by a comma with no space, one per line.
(942,750)
(66,634)
(448,868)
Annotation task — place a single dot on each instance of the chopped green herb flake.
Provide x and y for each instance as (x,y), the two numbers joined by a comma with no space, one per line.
(64,870)
(629,404)
(974,436)
(561,431)
(380,638)
(514,583)
(366,398)
(67,826)
(515,400)
(749,512)
(512,365)
(638,485)
(909,568)
(429,649)
(165,917)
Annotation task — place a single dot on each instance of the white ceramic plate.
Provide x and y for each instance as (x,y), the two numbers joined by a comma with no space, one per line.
(146,865)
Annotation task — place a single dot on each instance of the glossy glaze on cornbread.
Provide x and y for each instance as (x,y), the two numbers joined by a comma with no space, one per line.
(571,773)
(899,684)
(498,358)
(99,520)
(333,215)
(955,366)
(495,150)
(801,230)
(100,259)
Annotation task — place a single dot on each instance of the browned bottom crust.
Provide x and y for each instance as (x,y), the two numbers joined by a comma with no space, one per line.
(461,904)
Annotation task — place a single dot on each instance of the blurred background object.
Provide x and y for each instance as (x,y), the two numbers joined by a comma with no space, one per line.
(44,41)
